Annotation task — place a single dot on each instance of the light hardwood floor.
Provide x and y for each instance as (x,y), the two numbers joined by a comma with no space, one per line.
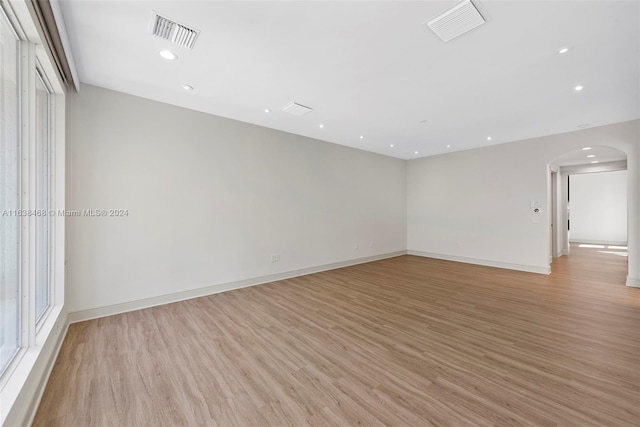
(406,341)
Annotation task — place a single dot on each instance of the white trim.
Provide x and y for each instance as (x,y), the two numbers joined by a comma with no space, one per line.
(58,197)
(22,394)
(94,313)
(634,283)
(619,165)
(66,44)
(32,409)
(10,14)
(49,179)
(484,262)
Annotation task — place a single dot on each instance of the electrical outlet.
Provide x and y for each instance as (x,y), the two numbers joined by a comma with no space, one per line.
(371,244)
(355,247)
(275,257)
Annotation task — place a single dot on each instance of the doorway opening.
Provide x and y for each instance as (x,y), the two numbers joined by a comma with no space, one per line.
(588,202)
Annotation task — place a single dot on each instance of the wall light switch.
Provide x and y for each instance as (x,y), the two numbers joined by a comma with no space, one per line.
(535,204)
(535,220)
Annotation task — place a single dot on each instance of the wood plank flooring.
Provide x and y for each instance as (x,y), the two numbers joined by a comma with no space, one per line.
(407,341)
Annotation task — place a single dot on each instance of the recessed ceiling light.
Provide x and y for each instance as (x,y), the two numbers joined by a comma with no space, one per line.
(578,88)
(266,110)
(489,138)
(563,50)
(415,152)
(167,54)
(391,146)
(448,146)
(591,155)
(595,161)
(187,87)
(586,148)
(321,126)
(361,136)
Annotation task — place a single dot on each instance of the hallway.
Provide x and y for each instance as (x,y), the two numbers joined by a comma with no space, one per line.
(603,266)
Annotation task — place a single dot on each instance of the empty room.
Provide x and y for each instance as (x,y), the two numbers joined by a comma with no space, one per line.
(319,213)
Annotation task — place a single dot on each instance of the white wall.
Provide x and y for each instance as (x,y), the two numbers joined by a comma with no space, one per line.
(598,203)
(210,199)
(474,205)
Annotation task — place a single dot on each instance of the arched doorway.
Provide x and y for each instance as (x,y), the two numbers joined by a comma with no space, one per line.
(598,177)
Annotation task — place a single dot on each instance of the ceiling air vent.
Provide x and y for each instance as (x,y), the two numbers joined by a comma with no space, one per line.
(296,109)
(456,21)
(173,31)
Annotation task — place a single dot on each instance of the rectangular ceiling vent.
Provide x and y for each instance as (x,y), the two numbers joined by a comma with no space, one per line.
(296,109)
(456,21)
(173,31)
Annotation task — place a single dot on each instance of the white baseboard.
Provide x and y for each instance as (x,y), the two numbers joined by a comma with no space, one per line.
(564,252)
(94,313)
(634,283)
(23,409)
(486,263)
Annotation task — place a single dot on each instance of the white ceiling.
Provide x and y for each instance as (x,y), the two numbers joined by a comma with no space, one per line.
(372,68)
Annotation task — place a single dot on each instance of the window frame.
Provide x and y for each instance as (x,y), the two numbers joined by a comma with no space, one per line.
(33,60)
(20,81)
(40,74)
